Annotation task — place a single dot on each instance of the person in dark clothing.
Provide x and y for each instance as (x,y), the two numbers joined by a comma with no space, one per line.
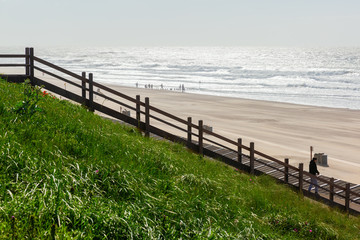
(313,170)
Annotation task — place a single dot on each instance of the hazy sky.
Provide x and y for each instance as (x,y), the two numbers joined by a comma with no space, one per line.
(180,22)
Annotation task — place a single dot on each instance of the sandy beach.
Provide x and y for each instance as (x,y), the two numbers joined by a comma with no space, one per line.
(280,130)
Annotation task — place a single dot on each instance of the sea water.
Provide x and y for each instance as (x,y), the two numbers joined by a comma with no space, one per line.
(327,77)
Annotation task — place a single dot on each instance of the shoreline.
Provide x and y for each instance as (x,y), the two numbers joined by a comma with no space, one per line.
(280,130)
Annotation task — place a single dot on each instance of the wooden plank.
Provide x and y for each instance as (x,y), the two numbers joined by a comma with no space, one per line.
(12,55)
(189,130)
(218,144)
(27,61)
(15,78)
(239,150)
(83,87)
(229,154)
(168,123)
(117,115)
(60,91)
(252,157)
(60,69)
(147,117)
(166,135)
(212,148)
(58,77)
(274,170)
(275,160)
(12,65)
(172,116)
(110,90)
(226,139)
(138,112)
(201,138)
(91,92)
(31,67)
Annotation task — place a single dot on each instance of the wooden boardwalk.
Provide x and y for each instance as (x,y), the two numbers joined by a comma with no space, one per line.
(277,171)
(334,192)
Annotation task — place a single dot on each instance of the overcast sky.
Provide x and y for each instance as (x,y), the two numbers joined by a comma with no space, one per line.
(180,23)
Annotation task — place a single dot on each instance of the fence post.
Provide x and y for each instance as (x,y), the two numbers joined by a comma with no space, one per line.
(201,131)
(27,61)
(331,197)
(31,66)
(91,93)
(147,117)
(189,132)
(83,88)
(301,176)
(138,113)
(252,157)
(239,152)
(347,197)
(286,176)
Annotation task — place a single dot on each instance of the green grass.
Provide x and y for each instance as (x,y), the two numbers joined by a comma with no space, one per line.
(69,174)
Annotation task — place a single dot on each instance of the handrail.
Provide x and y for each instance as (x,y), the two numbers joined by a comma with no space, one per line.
(12,55)
(298,173)
(13,65)
(218,144)
(167,123)
(56,76)
(60,69)
(116,93)
(226,139)
(275,160)
(171,116)
(114,100)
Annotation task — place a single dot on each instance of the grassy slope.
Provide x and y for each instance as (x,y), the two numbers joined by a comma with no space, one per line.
(68,173)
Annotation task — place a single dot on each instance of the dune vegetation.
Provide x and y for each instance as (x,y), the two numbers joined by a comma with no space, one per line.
(67,173)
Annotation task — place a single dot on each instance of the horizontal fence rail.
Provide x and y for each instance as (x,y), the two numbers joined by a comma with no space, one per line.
(230,151)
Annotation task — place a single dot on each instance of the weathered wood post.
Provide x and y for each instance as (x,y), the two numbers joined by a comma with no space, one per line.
(331,197)
(83,88)
(189,132)
(347,197)
(91,92)
(27,62)
(252,157)
(286,176)
(239,152)
(31,66)
(301,176)
(147,117)
(138,113)
(201,132)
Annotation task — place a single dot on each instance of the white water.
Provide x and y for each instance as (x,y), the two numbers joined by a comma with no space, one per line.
(321,77)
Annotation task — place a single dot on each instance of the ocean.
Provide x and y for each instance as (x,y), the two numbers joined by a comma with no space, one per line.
(328,77)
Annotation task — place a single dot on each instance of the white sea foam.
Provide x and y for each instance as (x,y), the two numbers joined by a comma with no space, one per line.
(321,77)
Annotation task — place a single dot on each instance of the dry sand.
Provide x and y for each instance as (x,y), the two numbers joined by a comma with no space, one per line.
(280,130)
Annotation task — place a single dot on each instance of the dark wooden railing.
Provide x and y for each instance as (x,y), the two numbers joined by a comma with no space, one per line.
(334,192)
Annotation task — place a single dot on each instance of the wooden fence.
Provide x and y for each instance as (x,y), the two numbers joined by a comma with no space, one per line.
(198,138)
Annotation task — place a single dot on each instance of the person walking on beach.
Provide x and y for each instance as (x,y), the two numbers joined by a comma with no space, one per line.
(313,170)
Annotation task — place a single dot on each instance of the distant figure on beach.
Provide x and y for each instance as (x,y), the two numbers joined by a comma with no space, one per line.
(183,88)
(137,84)
(313,170)
(162,86)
